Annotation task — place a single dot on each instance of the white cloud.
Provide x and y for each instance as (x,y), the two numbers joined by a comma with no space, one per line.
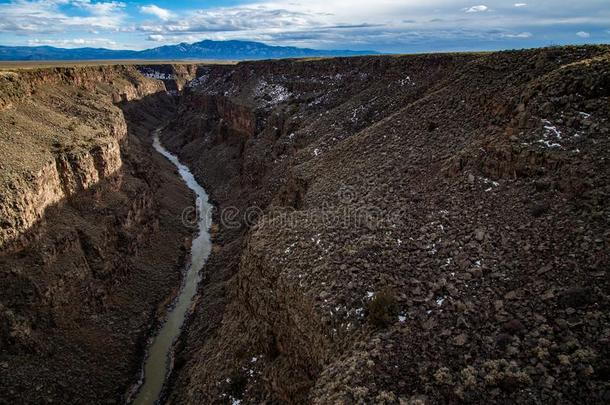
(99,9)
(476,9)
(380,25)
(157,11)
(75,42)
(388,25)
(521,35)
(45,16)
(239,19)
(583,34)
(155,38)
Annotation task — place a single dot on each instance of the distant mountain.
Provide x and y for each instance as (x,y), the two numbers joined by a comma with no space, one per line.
(51,53)
(231,50)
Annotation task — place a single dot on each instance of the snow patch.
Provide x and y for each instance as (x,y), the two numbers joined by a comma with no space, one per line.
(197,81)
(549,144)
(276,92)
(406,81)
(550,132)
(159,75)
(289,247)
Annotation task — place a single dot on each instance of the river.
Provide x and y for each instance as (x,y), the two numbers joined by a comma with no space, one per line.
(157,363)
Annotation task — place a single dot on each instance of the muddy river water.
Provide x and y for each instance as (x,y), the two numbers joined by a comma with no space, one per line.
(157,362)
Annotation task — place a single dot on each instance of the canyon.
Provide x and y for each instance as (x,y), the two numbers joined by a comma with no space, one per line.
(388,229)
(92,241)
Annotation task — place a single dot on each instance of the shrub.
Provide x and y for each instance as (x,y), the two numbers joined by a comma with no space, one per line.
(383,309)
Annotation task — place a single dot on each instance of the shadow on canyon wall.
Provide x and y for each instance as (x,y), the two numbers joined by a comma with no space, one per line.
(84,287)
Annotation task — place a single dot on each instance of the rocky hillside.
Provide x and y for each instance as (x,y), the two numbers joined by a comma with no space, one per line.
(91,242)
(390,229)
(417,229)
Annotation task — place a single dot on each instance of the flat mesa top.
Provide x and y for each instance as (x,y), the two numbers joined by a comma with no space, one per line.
(34,64)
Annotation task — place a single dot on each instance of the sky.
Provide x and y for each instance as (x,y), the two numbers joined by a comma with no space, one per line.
(400,26)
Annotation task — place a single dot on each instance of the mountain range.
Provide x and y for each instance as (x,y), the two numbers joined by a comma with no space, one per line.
(208,49)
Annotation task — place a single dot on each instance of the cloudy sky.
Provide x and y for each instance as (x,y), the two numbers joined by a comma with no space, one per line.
(383,25)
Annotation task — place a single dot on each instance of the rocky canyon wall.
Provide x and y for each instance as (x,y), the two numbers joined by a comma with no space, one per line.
(91,242)
(390,229)
(417,229)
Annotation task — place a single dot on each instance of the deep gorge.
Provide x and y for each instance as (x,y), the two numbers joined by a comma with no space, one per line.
(92,241)
(434,297)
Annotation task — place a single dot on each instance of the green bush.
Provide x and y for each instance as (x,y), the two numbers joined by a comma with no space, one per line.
(383,309)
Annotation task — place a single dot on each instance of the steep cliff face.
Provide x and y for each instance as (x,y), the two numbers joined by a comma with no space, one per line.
(395,229)
(64,176)
(76,142)
(174,77)
(91,242)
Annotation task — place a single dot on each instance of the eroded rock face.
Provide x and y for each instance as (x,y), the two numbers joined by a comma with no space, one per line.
(91,242)
(174,77)
(481,179)
(56,181)
(61,164)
